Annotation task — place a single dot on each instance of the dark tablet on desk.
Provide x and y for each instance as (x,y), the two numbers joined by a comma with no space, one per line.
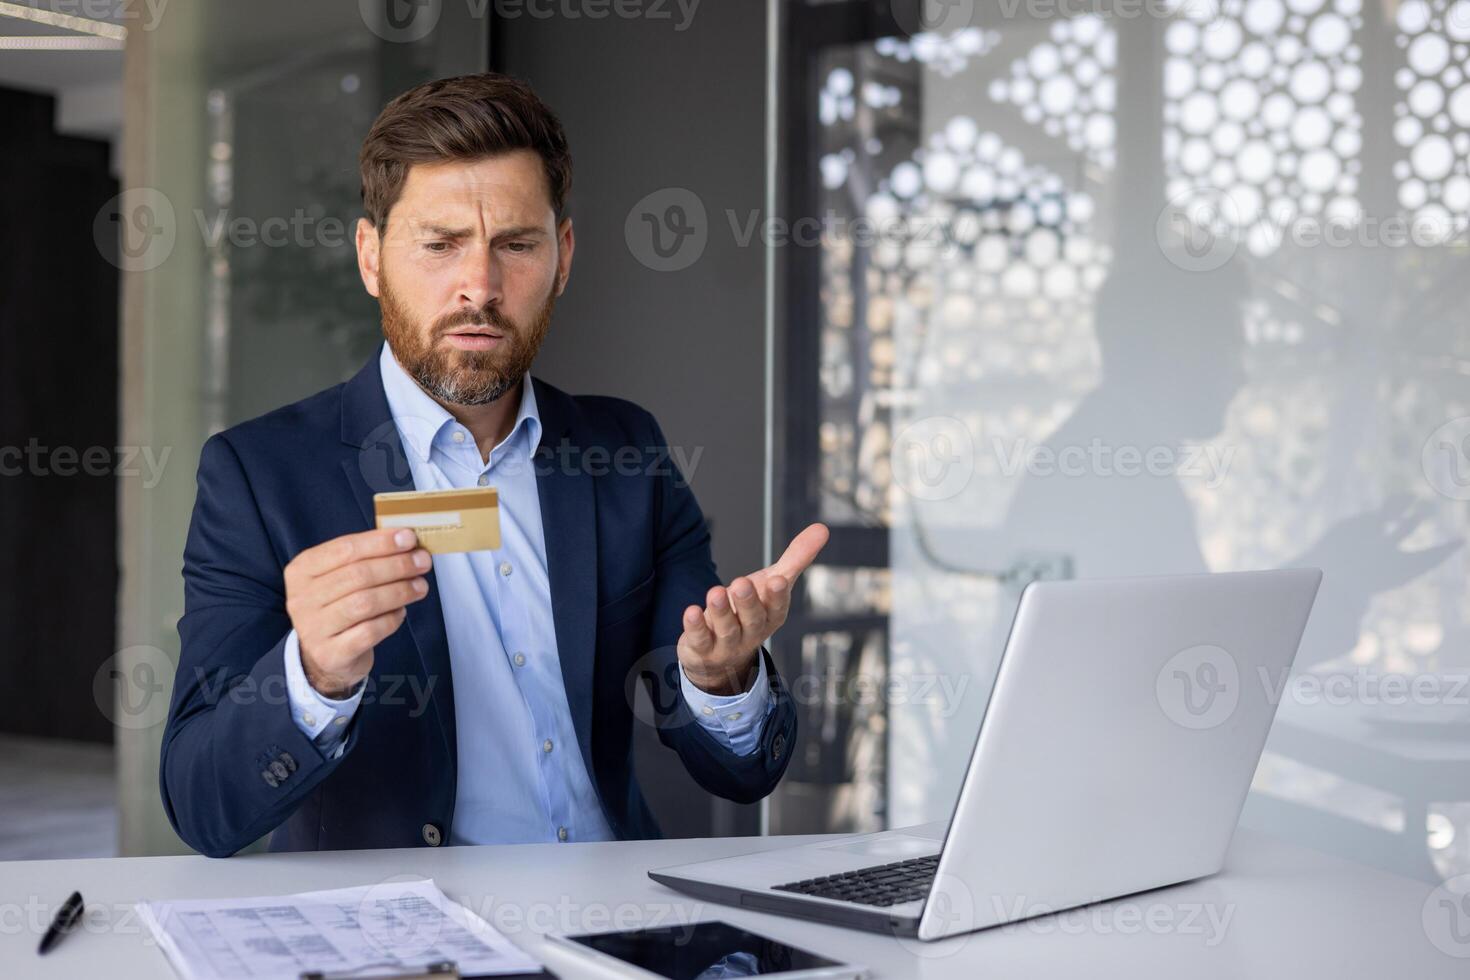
(704,951)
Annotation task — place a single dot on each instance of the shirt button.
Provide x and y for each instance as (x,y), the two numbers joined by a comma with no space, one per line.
(733,716)
(707,710)
(340,721)
(484,480)
(505,568)
(546,745)
(458,436)
(561,833)
(308,719)
(520,659)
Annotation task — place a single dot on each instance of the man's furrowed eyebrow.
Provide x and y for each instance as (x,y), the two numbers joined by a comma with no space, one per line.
(442,231)
(522,231)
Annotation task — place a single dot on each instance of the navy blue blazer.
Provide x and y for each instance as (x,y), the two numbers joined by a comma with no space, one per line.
(627,549)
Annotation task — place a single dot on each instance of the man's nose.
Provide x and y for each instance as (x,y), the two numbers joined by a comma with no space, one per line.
(481,278)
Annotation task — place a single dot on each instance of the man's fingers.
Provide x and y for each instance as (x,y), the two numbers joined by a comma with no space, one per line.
(337,552)
(365,574)
(801,552)
(360,639)
(748,607)
(697,635)
(719,615)
(367,604)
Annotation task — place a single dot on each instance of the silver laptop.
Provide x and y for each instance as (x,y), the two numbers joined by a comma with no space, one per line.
(1114,756)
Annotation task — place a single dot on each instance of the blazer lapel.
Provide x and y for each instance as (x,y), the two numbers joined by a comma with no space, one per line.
(379,465)
(569,522)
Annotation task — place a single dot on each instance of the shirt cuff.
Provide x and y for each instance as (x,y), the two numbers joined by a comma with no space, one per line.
(321,719)
(734,719)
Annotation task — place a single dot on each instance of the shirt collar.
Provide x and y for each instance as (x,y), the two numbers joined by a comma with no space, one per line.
(420,419)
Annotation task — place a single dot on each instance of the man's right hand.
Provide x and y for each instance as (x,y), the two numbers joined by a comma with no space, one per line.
(346,595)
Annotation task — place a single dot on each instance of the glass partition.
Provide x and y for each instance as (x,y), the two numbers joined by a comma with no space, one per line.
(1131,289)
(242,124)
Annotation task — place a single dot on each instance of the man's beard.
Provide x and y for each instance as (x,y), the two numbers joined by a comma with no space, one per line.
(463,377)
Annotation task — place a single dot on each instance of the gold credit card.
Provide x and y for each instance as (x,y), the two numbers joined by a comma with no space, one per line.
(445,520)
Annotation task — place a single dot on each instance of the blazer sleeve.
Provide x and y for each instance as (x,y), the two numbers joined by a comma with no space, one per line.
(684,572)
(234,764)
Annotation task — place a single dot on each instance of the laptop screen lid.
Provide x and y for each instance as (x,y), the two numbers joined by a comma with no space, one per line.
(1119,742)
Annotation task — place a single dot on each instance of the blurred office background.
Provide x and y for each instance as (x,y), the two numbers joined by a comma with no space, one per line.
(941,276)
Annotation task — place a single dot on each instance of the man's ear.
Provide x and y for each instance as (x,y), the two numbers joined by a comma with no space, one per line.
(566,242)
(369,254)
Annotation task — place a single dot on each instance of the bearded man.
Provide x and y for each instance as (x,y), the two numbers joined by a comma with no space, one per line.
(341,687)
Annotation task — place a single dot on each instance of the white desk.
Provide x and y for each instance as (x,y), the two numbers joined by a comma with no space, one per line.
(1288,912)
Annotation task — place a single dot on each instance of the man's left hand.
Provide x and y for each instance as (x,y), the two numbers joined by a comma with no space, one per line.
(720,642)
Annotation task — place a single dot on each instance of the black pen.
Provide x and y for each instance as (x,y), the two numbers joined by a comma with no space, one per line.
(65,921)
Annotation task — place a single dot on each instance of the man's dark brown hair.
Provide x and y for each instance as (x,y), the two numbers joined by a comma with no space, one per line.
(468,117)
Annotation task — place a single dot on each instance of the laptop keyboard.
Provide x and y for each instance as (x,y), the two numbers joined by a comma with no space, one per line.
(884,885)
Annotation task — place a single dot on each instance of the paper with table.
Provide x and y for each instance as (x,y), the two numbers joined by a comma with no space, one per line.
(394,925)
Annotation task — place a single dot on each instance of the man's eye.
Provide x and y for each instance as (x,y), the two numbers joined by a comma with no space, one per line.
(520,246)
(437,247)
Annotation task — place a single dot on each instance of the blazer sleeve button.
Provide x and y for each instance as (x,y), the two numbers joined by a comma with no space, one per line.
(270,779)
(432,836)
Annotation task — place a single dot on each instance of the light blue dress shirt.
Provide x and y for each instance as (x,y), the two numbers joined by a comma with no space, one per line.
(521,776)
